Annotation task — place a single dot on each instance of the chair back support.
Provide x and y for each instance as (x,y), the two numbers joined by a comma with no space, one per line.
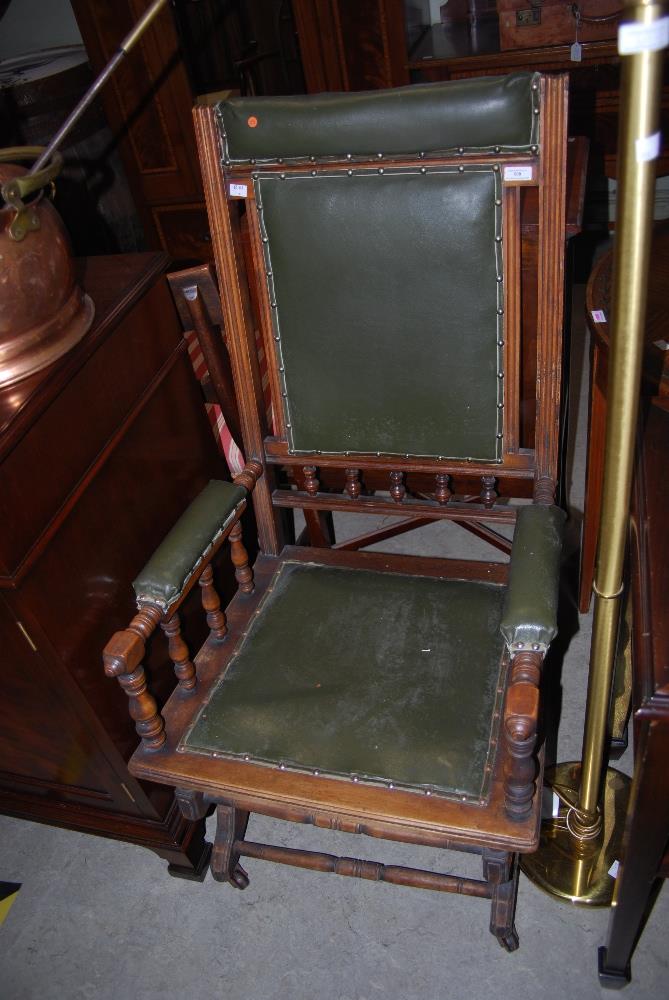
(386,309)
(385,258)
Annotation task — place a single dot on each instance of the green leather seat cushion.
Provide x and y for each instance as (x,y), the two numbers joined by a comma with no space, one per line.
(387,677)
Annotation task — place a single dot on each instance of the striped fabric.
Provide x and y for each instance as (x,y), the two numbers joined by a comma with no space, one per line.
(226,443)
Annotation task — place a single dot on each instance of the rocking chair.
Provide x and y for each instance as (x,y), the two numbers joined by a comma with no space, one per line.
(379,694)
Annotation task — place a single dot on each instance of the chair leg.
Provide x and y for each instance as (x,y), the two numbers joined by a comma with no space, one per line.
(500,869)
(230,826)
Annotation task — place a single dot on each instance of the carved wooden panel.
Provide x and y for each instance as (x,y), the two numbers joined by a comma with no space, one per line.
(367,64)
(132,85)
(351,46)
(148,105)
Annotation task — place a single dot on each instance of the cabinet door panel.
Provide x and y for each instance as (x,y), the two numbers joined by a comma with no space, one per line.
(45,747)
(147,103)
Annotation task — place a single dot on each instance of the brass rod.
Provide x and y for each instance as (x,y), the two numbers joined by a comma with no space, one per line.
(638,146)
(133,36)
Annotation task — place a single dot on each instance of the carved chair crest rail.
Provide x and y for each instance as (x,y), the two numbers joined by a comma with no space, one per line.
(374,240)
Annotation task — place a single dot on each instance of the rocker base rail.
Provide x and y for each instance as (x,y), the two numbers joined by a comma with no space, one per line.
(357,868)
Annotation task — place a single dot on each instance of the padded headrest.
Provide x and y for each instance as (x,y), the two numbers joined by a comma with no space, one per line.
(490,114)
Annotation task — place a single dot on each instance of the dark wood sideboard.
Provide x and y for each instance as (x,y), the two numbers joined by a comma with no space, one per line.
(99,455)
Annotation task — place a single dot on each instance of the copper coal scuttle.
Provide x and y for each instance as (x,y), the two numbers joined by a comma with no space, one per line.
(43,312)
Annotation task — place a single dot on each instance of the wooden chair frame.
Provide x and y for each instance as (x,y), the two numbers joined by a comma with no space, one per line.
(538,465)
(463,491)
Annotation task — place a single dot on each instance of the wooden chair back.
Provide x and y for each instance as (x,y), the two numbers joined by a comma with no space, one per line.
(385,273)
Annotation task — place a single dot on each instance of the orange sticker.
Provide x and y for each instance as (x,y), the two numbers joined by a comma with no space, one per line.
(252,121)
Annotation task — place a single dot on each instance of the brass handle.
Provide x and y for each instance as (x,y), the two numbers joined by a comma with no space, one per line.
(16,189)
(21,187)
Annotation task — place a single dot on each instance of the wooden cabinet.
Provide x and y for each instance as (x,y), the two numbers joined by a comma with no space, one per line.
(347,46)
(373,44)
(99,455)
(148,105)
(190,48)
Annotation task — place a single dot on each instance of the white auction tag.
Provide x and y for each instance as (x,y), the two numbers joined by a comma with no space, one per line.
(613,870)
(662,344)
(635,37)
(598,315)
(520,173)
(238,190)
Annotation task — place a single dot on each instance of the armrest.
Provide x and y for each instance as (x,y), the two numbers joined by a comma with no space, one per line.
(529,616)
(169,570)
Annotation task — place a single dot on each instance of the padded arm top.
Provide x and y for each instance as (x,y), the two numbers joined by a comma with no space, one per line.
(165,576)
(472,115)
(529,617)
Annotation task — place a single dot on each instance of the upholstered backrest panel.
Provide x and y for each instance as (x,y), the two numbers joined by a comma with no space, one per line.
(474,115)
(386,294)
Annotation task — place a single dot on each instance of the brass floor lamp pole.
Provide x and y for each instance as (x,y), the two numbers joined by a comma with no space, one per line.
(579,845)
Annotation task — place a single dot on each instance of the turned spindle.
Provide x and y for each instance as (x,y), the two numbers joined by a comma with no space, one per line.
(311,483)
(520,733)
(211,603)
(249,475)
(488,491)
(544,490)
(240,559)
(397,488)
(179,655)
(122,659)
(353,486)
(442,493)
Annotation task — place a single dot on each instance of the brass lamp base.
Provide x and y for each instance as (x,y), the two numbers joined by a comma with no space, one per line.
(579,871)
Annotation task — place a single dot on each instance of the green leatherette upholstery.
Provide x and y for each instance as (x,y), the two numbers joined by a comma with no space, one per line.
(387,299)
(529,619)
(171,565)
(488,114)
(380,676)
